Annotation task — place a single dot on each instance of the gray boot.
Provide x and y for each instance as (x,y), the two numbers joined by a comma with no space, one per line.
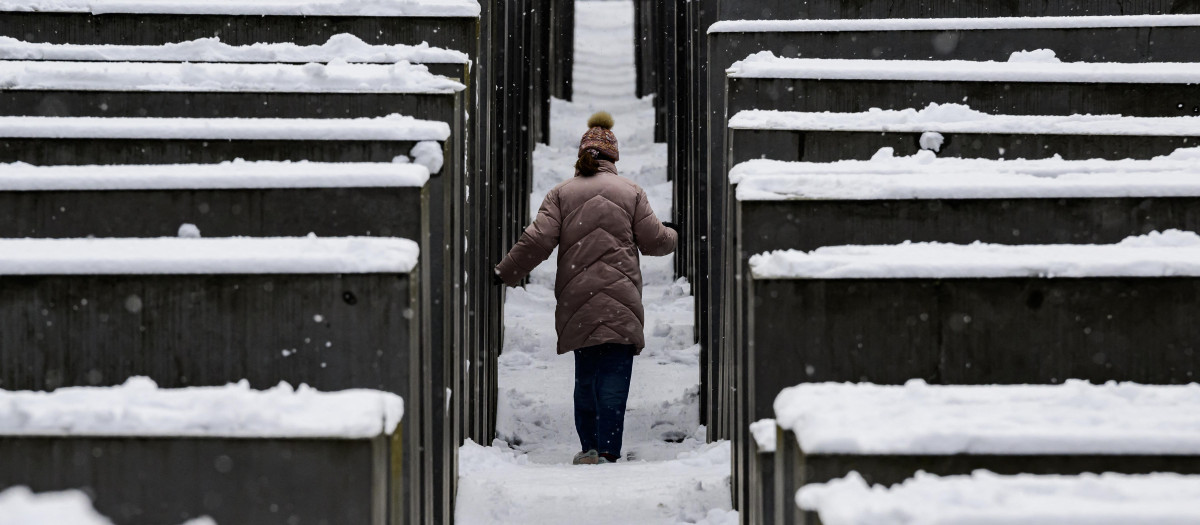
(589,457)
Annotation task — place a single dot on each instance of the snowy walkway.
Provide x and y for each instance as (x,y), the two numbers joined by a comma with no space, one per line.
(671,476)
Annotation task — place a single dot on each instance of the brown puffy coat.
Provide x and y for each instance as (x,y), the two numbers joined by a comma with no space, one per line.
(600,223)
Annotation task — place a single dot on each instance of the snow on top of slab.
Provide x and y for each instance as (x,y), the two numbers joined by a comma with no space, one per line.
(957,118)
(236,174)
(764,434)
(335,77)
(140,408)
(924,176)
(1172,253)
(985,497)
(951,24)
(399,8)
(885,162)
(345,47)
(230,255)
(389,128)
(20,506)
(765,64)
(920,419)
(1185,183)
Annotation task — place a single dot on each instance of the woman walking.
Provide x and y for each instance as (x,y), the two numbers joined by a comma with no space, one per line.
(600,222)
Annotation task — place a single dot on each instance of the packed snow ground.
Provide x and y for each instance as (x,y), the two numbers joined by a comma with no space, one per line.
(669,474)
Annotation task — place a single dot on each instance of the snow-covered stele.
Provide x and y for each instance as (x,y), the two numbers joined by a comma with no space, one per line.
(139,408)
(885,162)
(391,127)
(765,64)
(952,24)
(1172,253)
(230,255)
(237,174)
(342,47)
(919,419)
(984,497)
(335,77)
(422,8)
(957,118)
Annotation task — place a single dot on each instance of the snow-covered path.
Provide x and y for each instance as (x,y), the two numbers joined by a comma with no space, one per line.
(669,475)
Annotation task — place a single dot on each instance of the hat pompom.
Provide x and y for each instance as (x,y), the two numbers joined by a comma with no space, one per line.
(601,120)
(600,137)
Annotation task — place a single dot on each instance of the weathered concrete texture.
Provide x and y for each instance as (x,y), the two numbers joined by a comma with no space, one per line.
(1007,98)
(327,212)
(332,332)
(970,331)
(810,224)
(1116,44)
(151,481)
(226,105)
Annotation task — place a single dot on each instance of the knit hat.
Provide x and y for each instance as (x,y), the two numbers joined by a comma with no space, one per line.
(600,137)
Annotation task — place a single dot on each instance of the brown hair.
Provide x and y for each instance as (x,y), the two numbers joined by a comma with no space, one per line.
(589,162)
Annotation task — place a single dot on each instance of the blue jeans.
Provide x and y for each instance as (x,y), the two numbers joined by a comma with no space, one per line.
(602,375)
